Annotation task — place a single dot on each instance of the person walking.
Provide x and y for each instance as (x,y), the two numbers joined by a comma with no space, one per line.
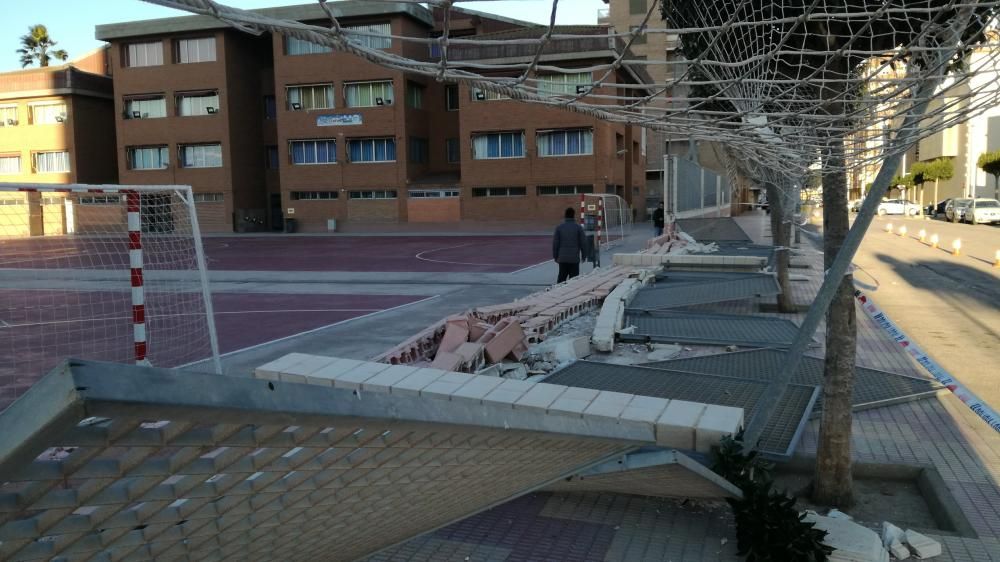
(658,220)
(569,244)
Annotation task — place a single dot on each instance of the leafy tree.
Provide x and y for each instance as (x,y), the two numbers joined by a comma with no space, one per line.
(937,170)
(918,173)
(828,78)
(36,45)
(989,162)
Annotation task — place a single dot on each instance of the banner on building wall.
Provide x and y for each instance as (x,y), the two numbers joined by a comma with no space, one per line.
(336,120)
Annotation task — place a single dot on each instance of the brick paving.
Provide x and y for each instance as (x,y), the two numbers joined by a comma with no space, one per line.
(938,431)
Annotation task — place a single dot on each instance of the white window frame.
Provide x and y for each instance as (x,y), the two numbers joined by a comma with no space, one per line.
(295,47)
(6,160)
(379,35)
(314,195)
(162,153)
(373,140)
(195,49)
(51,113)
(196,104)
(199,156)
(564,84)
(208,197)
(308,144)
(146,106)
(434,193)
(544,149)
(294,94)
(498,191)
(46,155)
(372,194)
(415,94)
(143,53)
(579,189)
(501,134)
(373,89)
(13,201)
(99,200)
(8,115)
(478,94)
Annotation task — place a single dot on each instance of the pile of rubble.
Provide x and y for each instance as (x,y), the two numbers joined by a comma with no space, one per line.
(855,543)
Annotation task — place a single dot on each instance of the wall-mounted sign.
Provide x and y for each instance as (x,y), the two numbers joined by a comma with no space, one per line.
(335,120)
(291,211)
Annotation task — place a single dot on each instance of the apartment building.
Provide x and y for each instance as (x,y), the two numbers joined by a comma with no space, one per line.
(56,126)
(269,128)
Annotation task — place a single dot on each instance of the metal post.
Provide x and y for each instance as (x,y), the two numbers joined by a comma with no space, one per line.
(839,268)
(206,293)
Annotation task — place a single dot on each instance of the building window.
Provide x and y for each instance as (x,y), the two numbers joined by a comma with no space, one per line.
(50,162)
(144,54)
(640,39)
(270,108)
(150,107)
(10,164)
(20,201)
(636,7)
(451,97)
(8,116)
(315,96)
(487,95)
(433,193)
(209,197)
(314,195)
(322,151)
(564,189)
(148,157)
(201,156)
(453,150)
(498,145)
(565,84)
(498,191)
(100,199)
(372,36)
(195,50)
(418,150)
(414,95)
(49,200)
(573,142)
(368,94)
(271,158)
(374,194)
(46,113)
(295,46)
(201,103)
(371,150)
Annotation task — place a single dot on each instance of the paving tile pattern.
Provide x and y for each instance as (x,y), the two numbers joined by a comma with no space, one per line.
(709,328)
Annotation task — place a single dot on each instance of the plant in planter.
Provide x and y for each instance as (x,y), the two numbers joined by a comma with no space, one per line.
(768,527)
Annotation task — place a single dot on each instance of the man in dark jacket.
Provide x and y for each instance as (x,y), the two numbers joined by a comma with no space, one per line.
(658,220)
(569,244)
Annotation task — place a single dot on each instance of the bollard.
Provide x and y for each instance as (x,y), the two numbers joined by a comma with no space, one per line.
(888,228)
(956,247)
(902,230)
(996,259)
(934,240)
(922,234)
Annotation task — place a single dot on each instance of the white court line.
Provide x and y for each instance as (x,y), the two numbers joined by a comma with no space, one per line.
(259,345)
(529,267)
(421,254)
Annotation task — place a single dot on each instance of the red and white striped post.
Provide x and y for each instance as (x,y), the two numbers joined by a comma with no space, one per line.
(135,267)
(600,220)
(583,210)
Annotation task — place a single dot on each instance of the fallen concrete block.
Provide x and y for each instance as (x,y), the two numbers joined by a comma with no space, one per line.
(505,341)
(447,361)
(850,541)
(491,371)
(469,351)
(922,546)
(477,330)
(454,335)
(890,534)
(899,551)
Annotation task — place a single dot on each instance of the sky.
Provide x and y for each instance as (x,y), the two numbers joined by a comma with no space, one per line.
(71,22)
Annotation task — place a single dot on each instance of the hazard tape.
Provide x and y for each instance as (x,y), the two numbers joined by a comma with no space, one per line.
(976,404)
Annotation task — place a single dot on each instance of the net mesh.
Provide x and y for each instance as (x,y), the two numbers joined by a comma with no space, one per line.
(72,278)
(615,215)
(774,82)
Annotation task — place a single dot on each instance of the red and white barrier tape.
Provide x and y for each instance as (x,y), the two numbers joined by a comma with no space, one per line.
(976,404)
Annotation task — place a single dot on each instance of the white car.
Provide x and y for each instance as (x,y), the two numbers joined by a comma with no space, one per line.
(898,207)
(983,211)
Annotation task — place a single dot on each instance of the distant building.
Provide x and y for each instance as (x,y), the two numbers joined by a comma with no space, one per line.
(56,126)
(268,128)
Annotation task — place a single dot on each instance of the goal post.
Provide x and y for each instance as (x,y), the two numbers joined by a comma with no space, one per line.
(102,272)
(610,214)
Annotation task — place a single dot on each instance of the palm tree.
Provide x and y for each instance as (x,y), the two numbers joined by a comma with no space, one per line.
(37,45)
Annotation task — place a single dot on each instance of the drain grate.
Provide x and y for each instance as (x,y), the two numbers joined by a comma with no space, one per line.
(713,229)
(677,291)
(782,432)
(871,387)
(711,329)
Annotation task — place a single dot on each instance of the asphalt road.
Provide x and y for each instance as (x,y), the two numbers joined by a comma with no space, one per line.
(949,304)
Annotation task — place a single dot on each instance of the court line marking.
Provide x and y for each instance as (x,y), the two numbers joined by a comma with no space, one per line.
(529,267)
(420,256)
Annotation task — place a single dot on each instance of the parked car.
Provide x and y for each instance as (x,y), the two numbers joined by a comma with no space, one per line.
(983,211)
(855,205)
(938,210)
(954,211)
(898,207)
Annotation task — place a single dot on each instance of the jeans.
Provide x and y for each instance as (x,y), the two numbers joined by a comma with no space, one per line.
(657,231)
(567,271)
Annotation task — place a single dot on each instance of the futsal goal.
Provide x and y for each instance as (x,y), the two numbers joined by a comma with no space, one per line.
(101,272)
(607,216)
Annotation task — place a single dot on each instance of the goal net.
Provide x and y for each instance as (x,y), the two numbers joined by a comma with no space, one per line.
(608,216)
(109,273)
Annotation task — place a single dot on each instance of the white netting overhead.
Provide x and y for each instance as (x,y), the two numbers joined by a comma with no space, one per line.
(774,81)
(85,278)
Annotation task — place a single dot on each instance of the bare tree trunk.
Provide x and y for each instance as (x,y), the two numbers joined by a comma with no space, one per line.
(781,238)
(833,484)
